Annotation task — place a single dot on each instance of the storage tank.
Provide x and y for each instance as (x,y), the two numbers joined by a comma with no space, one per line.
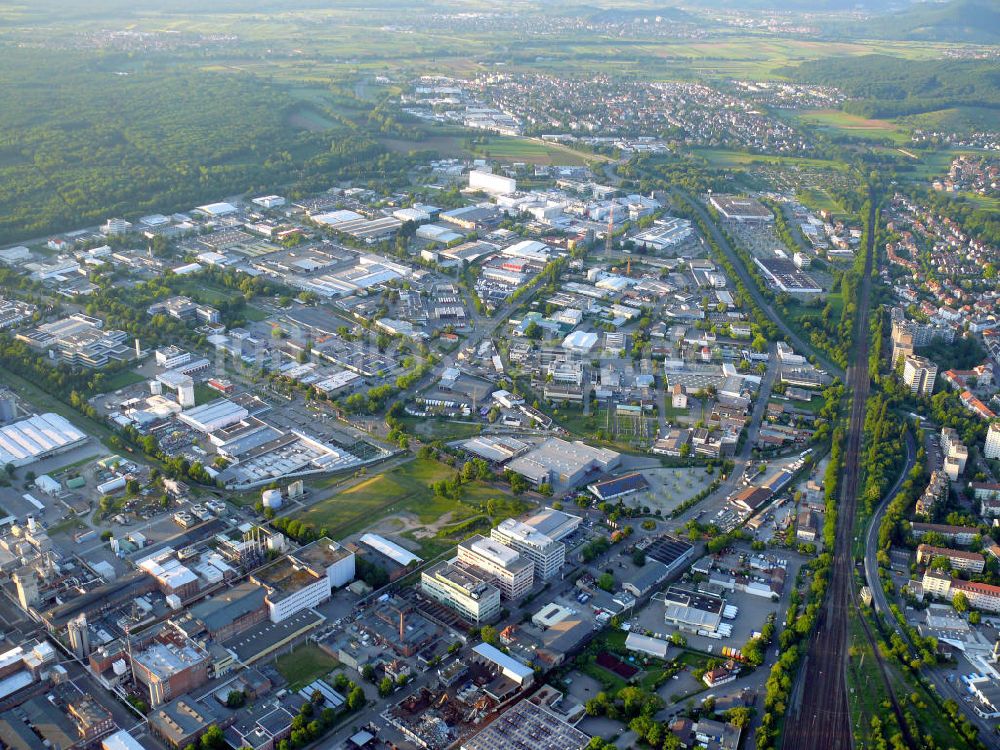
(272,499)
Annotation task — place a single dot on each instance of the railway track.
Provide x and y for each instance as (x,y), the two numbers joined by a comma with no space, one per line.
(823,719)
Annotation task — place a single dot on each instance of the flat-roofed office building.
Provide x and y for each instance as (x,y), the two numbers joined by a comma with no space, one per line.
(506,568)
(472,598)
(547,554)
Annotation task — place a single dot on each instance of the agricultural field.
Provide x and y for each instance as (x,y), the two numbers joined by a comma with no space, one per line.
(837,123)
(726,158)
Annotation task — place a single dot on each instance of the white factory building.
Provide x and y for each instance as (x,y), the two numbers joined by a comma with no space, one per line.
(562,462)
(493,184)
(305,578)
(37,437)
(214,415)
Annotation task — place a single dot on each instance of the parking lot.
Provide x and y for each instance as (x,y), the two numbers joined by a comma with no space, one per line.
(669,488)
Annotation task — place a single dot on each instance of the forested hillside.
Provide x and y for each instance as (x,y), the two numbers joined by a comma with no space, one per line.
(886,86)
(84,138)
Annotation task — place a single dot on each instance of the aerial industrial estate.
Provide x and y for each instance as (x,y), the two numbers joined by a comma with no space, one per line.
(502,394)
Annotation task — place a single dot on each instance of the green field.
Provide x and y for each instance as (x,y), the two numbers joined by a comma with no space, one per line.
(254,314)
(440,428)
(208,294)
(819,200)
(203,394)
(983,201)
(405,489)
(724,158)
(532,151)
(930,164)
(304,665)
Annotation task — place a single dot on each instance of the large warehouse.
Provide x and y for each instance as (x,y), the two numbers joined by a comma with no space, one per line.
(563,462)
(741,208)
(37,437)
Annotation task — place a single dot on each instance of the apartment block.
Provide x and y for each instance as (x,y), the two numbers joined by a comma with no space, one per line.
(919,374)
(992,447)
(936,491)
(971,562)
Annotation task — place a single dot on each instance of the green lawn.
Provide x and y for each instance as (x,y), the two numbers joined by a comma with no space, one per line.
(203,394)
(67,524)
(208,294)
(531,151)
(819,200)
(255,314)
(812,406)
(983,201)
(305,664)
(583,426)
(123,379)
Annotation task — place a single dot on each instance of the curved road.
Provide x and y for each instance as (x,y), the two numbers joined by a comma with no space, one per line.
(871,539)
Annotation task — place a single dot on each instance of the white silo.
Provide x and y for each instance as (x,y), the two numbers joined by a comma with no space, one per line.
(272,499)
(185,393)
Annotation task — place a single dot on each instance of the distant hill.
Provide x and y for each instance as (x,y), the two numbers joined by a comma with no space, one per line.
(973,21)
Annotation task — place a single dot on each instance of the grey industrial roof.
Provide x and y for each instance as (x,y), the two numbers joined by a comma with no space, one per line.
(230,605)
(526,725)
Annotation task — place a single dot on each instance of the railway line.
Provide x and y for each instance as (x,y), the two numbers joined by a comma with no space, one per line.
(822,720)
